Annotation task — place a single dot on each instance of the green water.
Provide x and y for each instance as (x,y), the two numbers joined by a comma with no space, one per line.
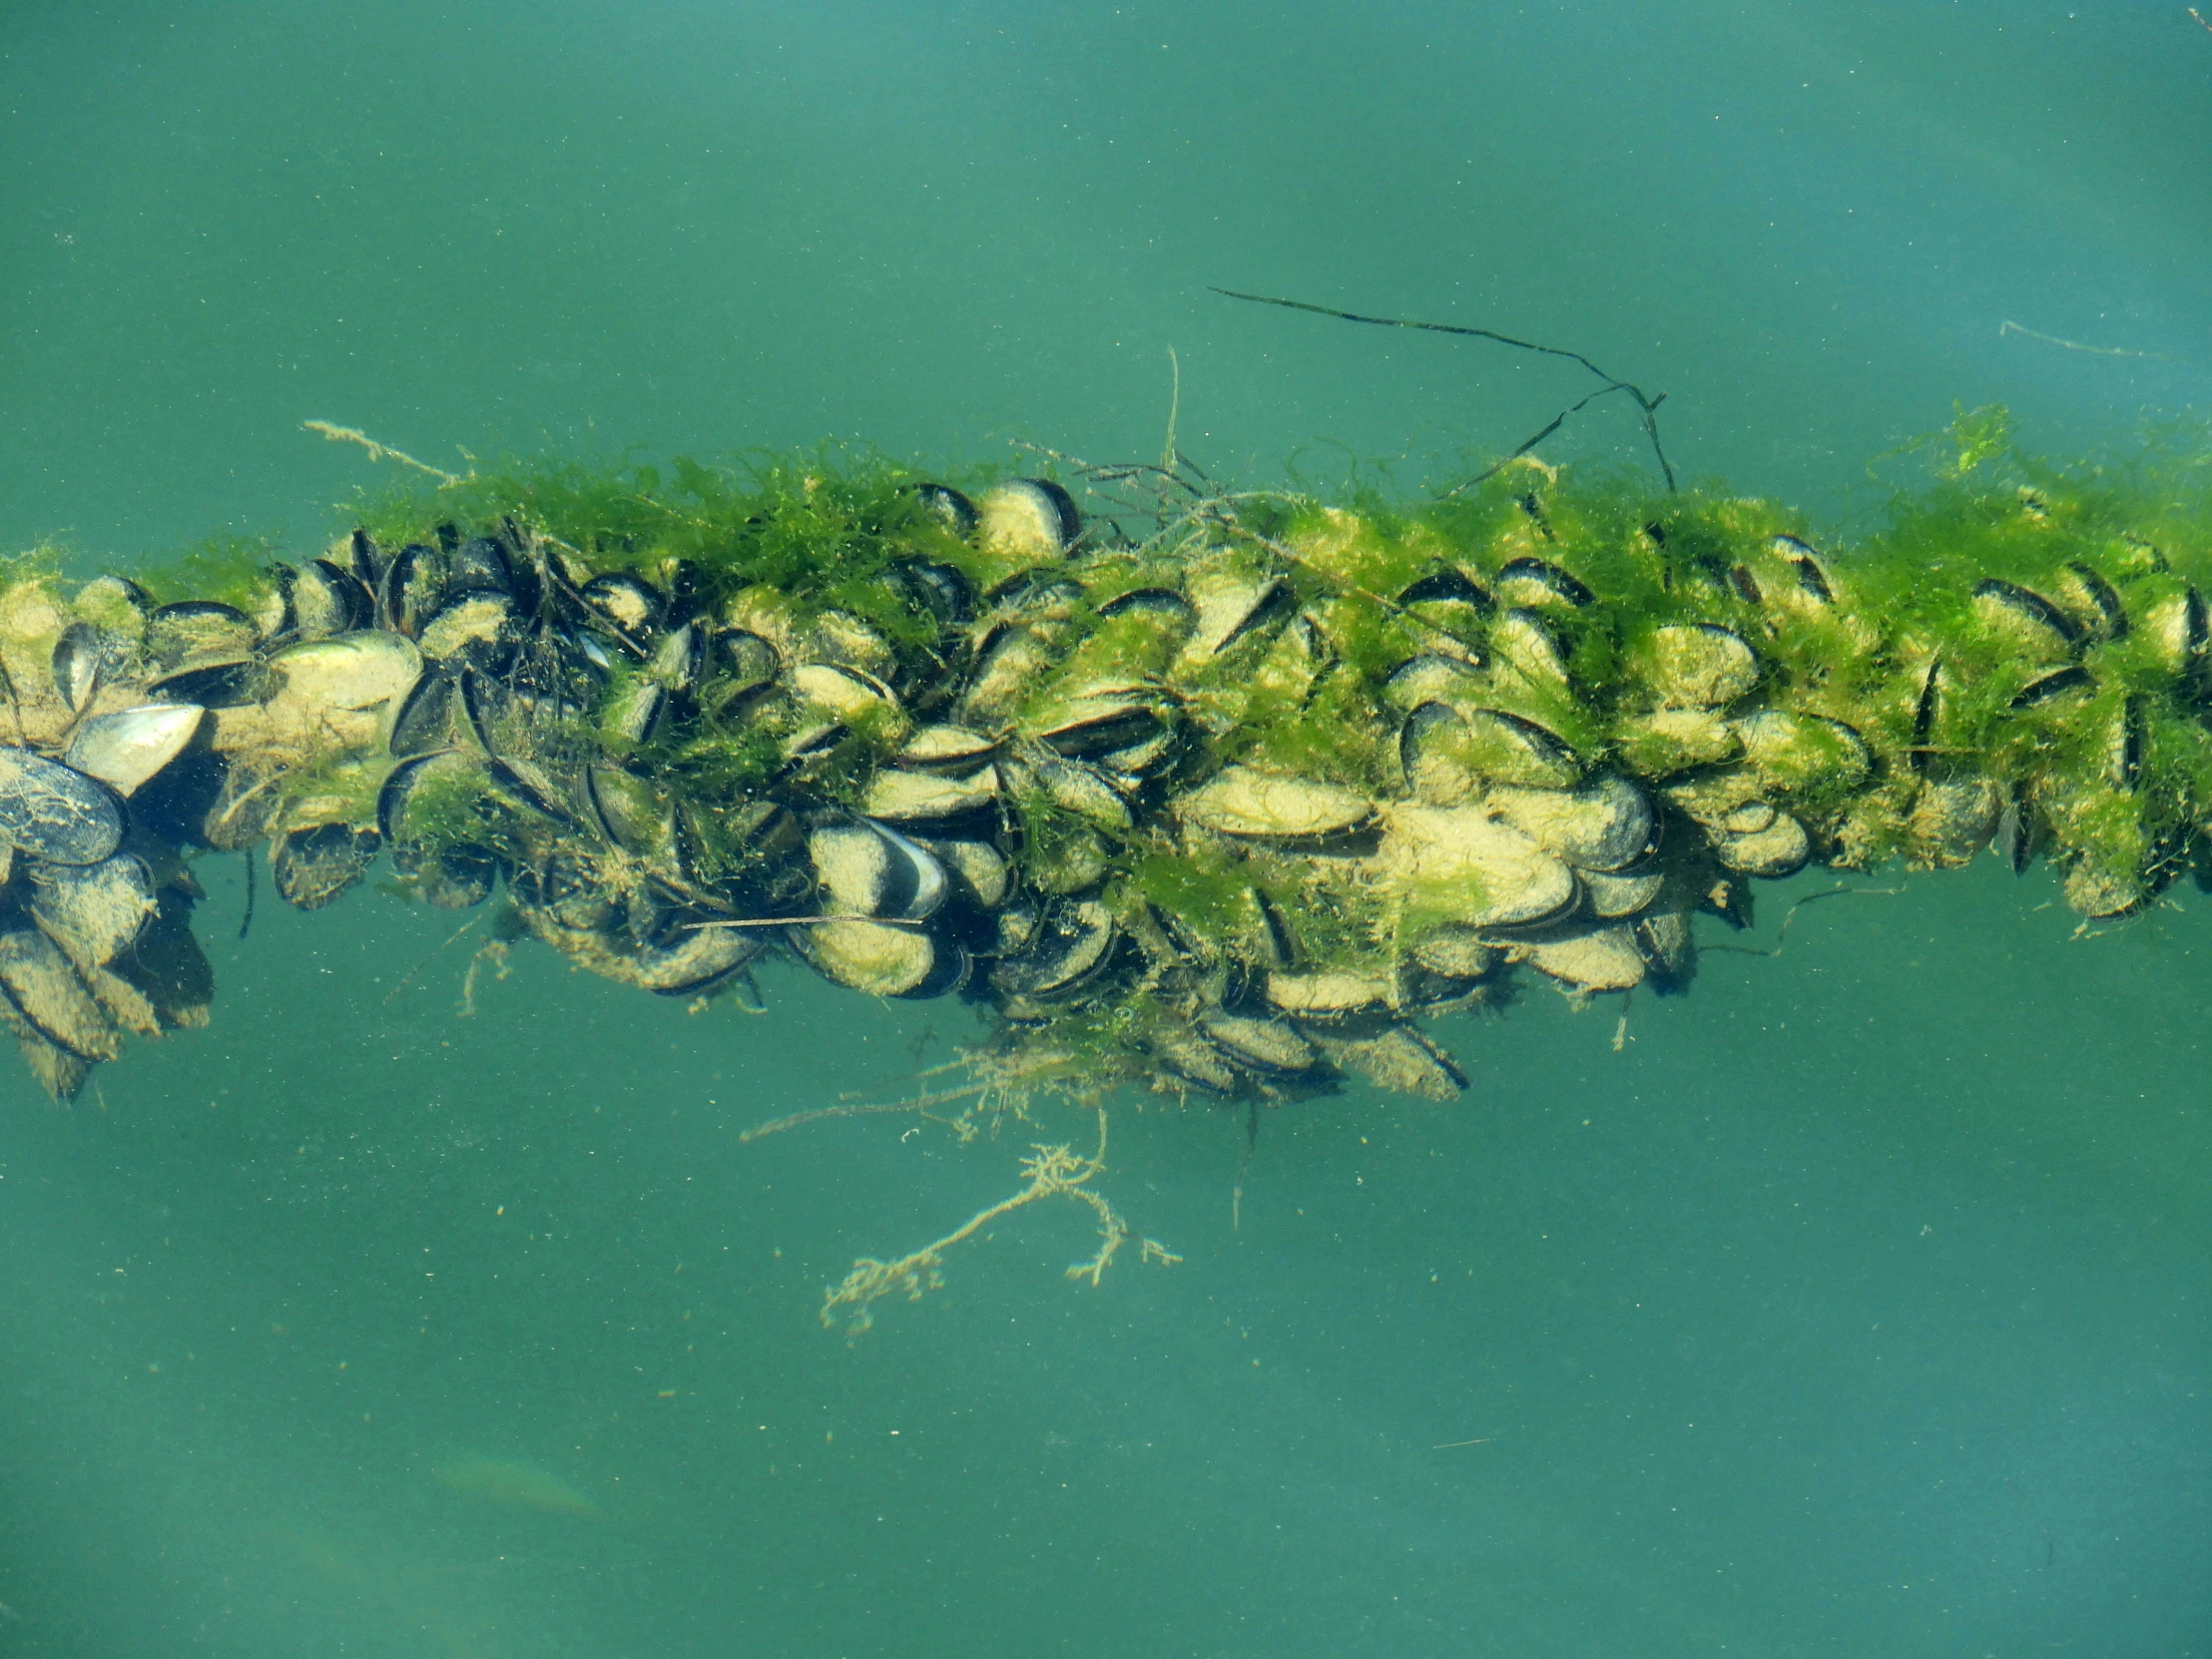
(1855,1305)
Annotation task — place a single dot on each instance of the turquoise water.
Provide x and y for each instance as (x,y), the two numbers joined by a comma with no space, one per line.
(1854,1303)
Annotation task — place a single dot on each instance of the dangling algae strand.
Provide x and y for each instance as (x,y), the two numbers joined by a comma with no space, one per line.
(1223,806)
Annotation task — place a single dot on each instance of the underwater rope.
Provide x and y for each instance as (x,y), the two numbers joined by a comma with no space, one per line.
(1225,809)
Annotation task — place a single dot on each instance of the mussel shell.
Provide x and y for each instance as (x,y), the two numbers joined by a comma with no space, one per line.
(326,599)
(2125,741)
(1231,605)
(1514,749)
(1398,1058)
(1525,642)
(1781,849)
(2093,599)
(948,508)
(424,722)
(457,877)
(1669,949)
(869,869)
(1805,564)
(936,589)
(1072,942)
(125,747)
(1700,665)
(2026,615)
(626,604)
(93,912)
(1449,586)
(411,589)
(224,685)
(116,604)
(45,990)
(635,710)
(1603,957)
(947,748)
(476,626)
(314,867)
(198,629)
(1605,824)
(1804,752)
(902,797)
(1532,581)
(2046,687)
(681,658)
(1269,1047)
(83,658)
(1504,879)
(55,813)
(1429,678)
(872,957)
(1100,724)
(1029,518)
(1239,800)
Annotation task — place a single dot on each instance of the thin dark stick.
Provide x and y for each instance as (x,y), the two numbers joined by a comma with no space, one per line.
(246,923)
(1646,406)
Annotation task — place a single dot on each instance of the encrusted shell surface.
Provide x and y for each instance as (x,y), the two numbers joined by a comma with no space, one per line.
(55,813)
(900,796)
(1600,958)
(1399,1059)
(1700,665)
(1781,849)
(93,912)
(1240,800)
(1462,857)
(1604,825)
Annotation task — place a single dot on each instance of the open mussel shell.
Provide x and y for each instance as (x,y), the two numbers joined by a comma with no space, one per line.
(92,911)
(126,748)
(83,658)
(315,866)
(1029,518)
(55,813)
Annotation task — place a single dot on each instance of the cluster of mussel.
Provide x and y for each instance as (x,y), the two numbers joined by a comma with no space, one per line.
(1226,810)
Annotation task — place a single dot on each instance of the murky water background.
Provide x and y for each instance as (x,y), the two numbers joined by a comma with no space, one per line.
(1857,1305)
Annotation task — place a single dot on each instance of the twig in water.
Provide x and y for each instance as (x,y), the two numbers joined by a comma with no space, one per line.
(1782,934)
(2199,16)
(879,1108)
(1648,407)
(2011,327)
(379,451)
(476,922)
(246,922)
